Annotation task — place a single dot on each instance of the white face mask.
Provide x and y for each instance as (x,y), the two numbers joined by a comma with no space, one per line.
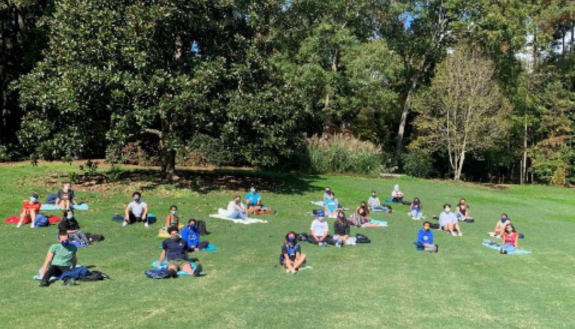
(447,209)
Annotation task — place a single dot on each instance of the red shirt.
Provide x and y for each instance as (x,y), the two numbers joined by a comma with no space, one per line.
(510,238)
(32,206)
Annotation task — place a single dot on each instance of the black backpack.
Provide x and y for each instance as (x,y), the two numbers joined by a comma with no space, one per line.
(201,227)
(95,237)
(94,276)
(360,238)
(302,237)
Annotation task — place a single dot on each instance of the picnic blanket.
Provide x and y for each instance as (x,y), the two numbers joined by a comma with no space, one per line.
(15,220)
(381,223)
(237,221)
(165,265)
(210,247)
(496,246)
(81,206)
(318,203)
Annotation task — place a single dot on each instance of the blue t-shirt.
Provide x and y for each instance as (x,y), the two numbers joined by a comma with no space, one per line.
(331,205)
(175,249)
(253,198)
(424,236)
(191,237)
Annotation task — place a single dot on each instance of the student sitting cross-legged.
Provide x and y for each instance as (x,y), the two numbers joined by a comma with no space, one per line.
(253,201)
(172,219)
(192,237)
(375,205)
(71,226)
(291,257)
(319,230)
(341,229)
(175,249)
(136,211)
(448,221)
(501,225)
(66,197)
(415,209)
(29,210)
(425,238)
(61,258)
(236,210)
(510,237)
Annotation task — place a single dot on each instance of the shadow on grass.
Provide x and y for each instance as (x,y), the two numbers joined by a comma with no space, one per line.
(204,181)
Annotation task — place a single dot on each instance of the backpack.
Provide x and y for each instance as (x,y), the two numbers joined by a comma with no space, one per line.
(302,237)
(95,237)
(161,273)
(51,199)
(330,240)
(75,273)
(360,238)
(118,218)
(95,276)
(201,227)
(41,220)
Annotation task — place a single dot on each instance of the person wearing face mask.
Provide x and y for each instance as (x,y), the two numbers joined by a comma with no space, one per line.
(425,238)
(236,210)
(136,211)
(319,230)
(361,216)
(291,257)
(327,194)
(66,197)
(61,257)
(500,226)
(448,221)
(510,238)
(415,209)
(253,201)
(330,207)
(71,226)
(29,210)
(341,229)
(375,205)
(172,219)
(396,194)
(192,237)
(175,249)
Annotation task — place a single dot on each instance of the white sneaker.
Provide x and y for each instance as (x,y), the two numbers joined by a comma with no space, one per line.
(19,225)
(146,224)
(288,271)
(124,224)
(453,233)
(460,234)
(31,225)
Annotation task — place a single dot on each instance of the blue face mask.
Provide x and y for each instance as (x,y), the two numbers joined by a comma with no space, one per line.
(192,226)
(174,212)
(65,243)
(137,200)
(70,216)
(503,219)
(291,239)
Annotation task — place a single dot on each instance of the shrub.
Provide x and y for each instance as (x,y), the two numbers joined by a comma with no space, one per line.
(339,154)
(418,164)
(203,150)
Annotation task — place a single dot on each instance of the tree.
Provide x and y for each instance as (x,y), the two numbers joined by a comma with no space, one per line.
(463,111)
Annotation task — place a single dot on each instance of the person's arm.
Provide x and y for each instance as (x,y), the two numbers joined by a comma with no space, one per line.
(73,197)
(162,257)
(47,262)
(314,236)
(127,212)
(346,230)
(259,201)
(411,207)
(516,244)
(58,197)
(419,237)
(145,213)
(74,260)
(326,232)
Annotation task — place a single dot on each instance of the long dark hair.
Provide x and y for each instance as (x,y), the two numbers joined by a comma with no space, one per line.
(287,236)
(512,228)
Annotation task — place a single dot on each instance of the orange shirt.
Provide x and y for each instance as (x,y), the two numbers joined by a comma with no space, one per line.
(32,206)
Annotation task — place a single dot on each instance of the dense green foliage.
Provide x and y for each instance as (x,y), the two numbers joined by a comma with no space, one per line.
(81,79)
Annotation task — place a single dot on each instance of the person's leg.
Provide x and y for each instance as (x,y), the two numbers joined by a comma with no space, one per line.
(23,215)
(32,217)
(234,215)
(344,239)
(53,271)
(82,237)
(456,226)
(414,214)
(299,261)
(243,215)
(289,265)
(62,204)
(186,267)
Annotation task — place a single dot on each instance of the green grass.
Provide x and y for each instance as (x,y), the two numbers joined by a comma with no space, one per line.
(385,284)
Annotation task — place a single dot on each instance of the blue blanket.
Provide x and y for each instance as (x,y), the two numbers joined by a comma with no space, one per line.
(497,246)
(82,206)
(165,265)
(380,222)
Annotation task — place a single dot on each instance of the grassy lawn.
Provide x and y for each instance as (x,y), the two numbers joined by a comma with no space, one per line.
(385,284)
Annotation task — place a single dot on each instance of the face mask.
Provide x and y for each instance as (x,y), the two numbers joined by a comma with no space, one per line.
(65,243)
(291,239)
(503,219)
(191,226)
(373,195)
(447,209)
(174,212)
(70,216)
(340,217)
(426,228)
(508,229)
(252,190)
(33,200)
(176,238)
(237,201)
(66,188)
(328,191)
(137,200)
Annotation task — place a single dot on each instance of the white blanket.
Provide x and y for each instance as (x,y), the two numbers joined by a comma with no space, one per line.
(221,215)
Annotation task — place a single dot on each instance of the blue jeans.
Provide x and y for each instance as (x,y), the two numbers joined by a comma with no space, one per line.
(508,248)
(238,215)
(416,214)
(380,208)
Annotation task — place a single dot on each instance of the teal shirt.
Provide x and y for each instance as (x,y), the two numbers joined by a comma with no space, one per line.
(253,198)
(63,255)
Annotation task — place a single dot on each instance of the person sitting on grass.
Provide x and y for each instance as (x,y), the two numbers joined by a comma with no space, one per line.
(500,226)
(136,211)
(341,229)
(172,219)
(330,206)
(292,258)
(253,201)
(192,237)
(66,197)
(61,258)
(71,226)
(375,205)
(29,210)
(319,230)
(510,238)
(396,194)
(425,238)
(415,209)
(361,217)
(175,249)
(462,210)
(448,221)
(327,194)
(236,210)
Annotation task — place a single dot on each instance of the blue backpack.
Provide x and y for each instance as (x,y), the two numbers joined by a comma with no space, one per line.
(161,273)
(51,199)
(41,220)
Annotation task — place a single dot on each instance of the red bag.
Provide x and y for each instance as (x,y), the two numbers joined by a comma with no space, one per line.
(54,219)
(15,220)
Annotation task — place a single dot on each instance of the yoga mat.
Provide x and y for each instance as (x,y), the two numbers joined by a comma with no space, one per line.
(496,246)
(165,265)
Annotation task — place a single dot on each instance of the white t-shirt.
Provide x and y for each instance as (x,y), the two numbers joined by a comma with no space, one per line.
(447,218)
(137,208)
(319,228)
(232,207)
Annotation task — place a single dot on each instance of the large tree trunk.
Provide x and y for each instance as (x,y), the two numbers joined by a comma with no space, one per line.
(169,163)
(461,160)
(403,120)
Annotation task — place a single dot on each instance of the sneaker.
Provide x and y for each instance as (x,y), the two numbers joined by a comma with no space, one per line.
(172,274)
(70,282)
(338,244)
(198,270)
(19,225)
(146,224)
(460,234)
(32,225)
(453,233)
(124,224)
(44,283)
(288,271)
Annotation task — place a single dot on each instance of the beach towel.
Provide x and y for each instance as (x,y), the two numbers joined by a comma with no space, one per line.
(165,265)
(238,221)
(15,220)
(497,246)
(163,233)
(54,219)
(318,203)
(381,223)
(48,207)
